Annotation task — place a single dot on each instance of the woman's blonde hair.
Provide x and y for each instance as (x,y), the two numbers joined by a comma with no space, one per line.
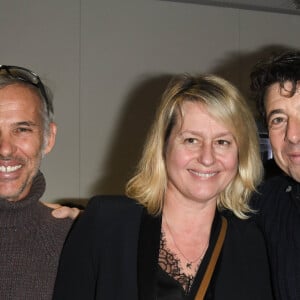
(224,103)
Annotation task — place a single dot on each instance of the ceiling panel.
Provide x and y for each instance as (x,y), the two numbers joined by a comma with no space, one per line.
(281,6)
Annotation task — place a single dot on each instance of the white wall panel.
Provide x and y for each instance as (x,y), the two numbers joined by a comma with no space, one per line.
(45,37)
(108,62)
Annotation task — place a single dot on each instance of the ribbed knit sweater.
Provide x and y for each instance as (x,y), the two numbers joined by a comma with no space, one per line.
(30,244)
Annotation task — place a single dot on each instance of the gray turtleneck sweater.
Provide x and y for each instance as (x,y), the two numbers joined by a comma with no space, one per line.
(30,244)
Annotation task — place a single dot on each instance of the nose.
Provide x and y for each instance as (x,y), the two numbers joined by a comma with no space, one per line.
(7,146)
(206,154)
(293,130)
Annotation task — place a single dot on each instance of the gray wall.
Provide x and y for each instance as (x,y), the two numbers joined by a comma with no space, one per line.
(107,62)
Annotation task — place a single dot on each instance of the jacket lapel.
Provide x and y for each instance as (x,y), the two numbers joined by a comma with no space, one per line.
(148,250)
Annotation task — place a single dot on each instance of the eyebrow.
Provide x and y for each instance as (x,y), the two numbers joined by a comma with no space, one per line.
(274,112)
(225,133)
(27,123)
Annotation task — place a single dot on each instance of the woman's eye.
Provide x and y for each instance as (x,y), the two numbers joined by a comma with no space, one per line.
(190,140)
(223,142)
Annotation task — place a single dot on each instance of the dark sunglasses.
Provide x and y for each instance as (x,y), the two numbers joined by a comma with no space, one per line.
(28,76)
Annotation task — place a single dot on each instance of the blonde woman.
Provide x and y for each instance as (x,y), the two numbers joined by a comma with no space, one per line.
(201,158)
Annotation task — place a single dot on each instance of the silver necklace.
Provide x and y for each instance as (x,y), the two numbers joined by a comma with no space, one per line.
(189,262)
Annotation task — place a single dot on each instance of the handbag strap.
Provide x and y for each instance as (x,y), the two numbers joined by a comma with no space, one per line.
(212,263)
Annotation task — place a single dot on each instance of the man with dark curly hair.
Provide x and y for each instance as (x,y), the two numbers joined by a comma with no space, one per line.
(275,82)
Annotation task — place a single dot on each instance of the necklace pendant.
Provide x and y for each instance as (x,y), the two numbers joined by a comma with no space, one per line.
(189,265)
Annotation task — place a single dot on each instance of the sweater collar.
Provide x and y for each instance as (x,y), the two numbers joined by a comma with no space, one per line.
(15,212)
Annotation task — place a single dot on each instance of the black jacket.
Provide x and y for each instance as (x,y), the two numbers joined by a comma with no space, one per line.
(113,248)
(278,216)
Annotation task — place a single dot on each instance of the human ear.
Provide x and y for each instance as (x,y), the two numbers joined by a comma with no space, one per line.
(50,141)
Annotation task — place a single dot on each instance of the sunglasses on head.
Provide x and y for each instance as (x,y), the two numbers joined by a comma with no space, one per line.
(27,76)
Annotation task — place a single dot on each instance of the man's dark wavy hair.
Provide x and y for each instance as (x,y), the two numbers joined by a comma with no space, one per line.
(280,67)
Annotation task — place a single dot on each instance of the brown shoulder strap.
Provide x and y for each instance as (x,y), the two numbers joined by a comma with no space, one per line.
(212,263)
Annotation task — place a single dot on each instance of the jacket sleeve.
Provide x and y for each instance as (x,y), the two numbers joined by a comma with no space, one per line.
(77,271)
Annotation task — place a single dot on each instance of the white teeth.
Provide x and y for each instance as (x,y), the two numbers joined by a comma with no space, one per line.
(9,168)
(204,175)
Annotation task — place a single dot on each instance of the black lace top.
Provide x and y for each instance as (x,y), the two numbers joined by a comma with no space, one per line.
(173,283)
(170,264)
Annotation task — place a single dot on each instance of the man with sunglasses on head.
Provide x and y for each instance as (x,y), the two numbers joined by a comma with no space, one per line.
(276,84)
(31,238)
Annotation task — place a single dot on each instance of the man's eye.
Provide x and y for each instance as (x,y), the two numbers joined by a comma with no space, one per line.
(276,121)
(23,129)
